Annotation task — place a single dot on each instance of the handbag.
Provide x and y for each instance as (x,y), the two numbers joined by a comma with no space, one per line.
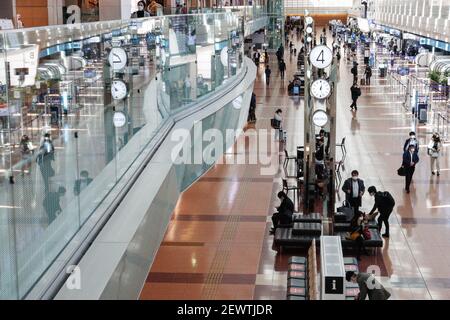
(366,233)
(354,235)
(401,172)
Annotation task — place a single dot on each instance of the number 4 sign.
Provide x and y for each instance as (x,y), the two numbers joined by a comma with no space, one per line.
(321,56)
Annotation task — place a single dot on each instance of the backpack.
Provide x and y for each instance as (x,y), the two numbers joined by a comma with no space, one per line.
(387,198)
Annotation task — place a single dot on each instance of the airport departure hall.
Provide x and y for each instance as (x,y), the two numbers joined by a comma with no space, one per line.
(225,150)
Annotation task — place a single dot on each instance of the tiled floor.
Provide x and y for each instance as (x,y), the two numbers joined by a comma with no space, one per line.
(217,245)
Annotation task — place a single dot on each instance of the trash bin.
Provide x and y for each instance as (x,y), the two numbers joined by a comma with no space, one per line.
(422,113)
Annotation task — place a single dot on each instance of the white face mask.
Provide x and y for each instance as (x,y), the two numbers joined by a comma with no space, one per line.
(355,178)
(413,137)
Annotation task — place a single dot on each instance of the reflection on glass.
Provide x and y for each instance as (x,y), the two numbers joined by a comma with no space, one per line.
(62,147)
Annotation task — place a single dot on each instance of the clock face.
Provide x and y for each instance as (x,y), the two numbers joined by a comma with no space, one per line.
(320,89)
(309,20)
(321,56)
(117,58)
(309,39)
(309,30)
(118,90)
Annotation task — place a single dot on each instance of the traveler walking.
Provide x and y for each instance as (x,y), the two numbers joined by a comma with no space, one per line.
(356,92)
(256,56)
(354,71)
(267,72)
(368,74)
(282,67)
(410,159)
(434,151)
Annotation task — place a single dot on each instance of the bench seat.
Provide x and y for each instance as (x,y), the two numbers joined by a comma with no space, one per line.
(375,242)
(285,238)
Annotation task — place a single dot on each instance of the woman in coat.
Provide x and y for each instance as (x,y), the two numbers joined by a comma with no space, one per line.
(434,151)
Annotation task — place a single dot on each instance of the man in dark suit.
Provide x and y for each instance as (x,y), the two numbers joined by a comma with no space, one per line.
(355,92)
(285,211)
(410,159)
(354,189)
(368,286)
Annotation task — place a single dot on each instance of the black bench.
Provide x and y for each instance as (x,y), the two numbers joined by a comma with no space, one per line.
(375,240)
(350,260)
(297,260)
(285,238)
(308,218)
(306,228)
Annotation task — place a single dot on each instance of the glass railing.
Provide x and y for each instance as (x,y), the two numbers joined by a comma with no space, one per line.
(78,105)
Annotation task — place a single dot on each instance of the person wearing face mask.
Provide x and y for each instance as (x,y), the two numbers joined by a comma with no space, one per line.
(434,151)
(410,159)
(354,190)
(412,141)
(140,13)
(385,203)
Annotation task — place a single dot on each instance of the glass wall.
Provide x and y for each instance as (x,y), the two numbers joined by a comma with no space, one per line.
(275,29)
(78,105)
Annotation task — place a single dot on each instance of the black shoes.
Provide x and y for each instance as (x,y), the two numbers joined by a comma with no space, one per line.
(385,235)
(432,172)
(272,231)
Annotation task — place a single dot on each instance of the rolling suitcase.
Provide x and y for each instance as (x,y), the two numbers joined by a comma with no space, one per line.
(363,82)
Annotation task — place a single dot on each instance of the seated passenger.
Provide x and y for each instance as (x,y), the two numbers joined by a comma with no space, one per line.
(284,214)
(356,233)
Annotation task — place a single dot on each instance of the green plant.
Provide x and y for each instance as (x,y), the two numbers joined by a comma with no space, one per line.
(435,76)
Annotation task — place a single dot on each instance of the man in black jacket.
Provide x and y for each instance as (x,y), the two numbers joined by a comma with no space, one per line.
(354,71)
(285,212)
(356,92)
(267,72)
(410,159)
(385,204)
(354,189)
